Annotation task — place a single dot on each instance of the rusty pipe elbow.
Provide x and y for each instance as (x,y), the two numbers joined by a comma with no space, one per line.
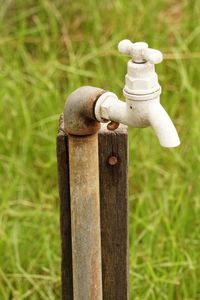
(79,116)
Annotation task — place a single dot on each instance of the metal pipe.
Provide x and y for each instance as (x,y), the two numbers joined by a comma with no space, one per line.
(85,217)
(82,127)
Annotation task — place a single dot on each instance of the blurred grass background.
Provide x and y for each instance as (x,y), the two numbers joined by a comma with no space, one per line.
(49,48)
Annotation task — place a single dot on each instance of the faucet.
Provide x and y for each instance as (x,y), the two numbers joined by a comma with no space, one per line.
(84,109)
(142,91)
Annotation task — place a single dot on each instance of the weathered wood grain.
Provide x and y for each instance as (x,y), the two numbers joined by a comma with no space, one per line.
(113,162)
(65,219)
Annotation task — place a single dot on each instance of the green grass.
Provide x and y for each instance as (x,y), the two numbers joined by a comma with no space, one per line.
(49,48)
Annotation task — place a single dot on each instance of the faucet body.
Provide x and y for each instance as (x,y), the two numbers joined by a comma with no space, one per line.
(138,114)
(142,93)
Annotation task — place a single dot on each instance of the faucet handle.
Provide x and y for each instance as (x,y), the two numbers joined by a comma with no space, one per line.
(140,52)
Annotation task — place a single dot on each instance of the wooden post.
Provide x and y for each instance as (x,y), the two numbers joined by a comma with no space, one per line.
(113,207)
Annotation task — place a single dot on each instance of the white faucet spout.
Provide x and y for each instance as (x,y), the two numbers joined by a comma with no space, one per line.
(163,126)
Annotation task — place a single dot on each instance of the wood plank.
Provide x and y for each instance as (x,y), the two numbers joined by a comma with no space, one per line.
(114,216)
(65,219)
(114,212)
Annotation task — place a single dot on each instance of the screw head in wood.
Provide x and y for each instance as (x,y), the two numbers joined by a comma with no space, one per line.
(112,160)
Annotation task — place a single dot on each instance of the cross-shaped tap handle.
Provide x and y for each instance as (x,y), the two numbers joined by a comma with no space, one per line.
(140,52)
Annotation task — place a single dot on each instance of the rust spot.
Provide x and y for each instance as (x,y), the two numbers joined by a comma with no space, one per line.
(112,125)
(112,160)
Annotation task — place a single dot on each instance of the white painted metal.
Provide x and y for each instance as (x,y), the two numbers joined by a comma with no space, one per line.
(140,52)
(142,90)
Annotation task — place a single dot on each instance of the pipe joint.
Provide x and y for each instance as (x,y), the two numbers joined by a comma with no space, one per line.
(79,116)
